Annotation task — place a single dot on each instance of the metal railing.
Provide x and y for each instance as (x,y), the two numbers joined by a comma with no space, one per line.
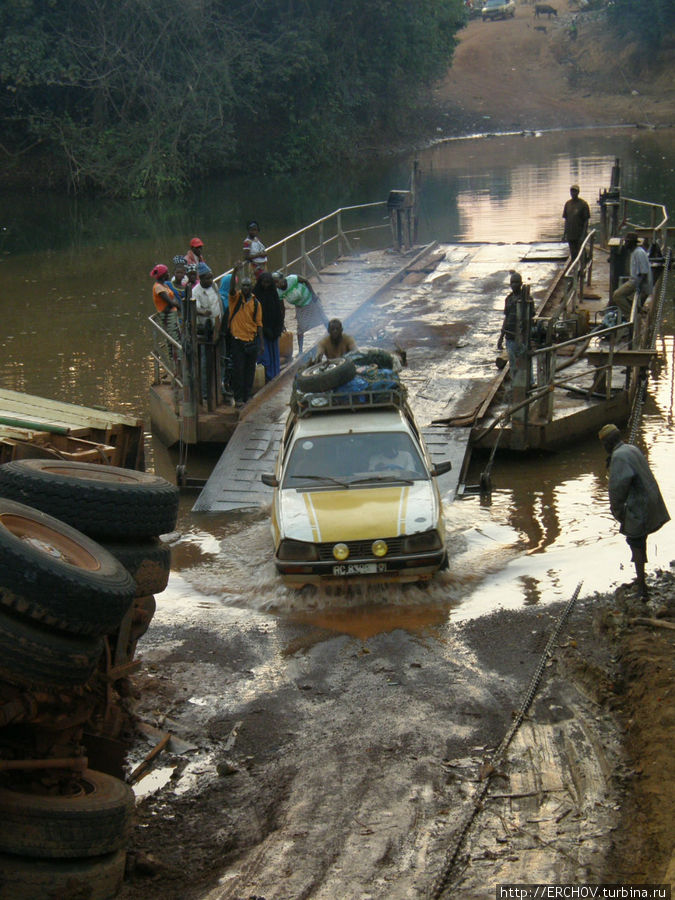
(320,243)
(658,226)
(577,274)
(310,249)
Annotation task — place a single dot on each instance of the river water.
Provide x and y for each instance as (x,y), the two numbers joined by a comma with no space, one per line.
(74,327)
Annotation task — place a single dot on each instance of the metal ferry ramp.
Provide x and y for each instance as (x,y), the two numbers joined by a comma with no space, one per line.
(444,308)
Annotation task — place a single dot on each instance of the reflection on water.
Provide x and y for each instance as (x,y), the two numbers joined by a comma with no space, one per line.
(77,295)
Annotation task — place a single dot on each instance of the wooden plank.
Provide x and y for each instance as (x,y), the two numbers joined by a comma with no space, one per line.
(40,409)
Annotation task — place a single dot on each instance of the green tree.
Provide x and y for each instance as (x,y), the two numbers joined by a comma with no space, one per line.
(139,96)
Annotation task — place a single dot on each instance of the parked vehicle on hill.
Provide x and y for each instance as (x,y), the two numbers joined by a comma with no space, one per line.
(498,9)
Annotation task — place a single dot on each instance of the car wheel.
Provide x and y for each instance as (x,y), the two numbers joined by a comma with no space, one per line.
(51,572)
(98,878)
(325,376)
(148,563)
(92,820)
(101,501)
(37,657)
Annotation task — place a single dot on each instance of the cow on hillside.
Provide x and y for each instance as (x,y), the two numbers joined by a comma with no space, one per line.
(542,9)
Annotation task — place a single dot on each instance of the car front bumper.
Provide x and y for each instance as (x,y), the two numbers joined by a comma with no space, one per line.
(411,567)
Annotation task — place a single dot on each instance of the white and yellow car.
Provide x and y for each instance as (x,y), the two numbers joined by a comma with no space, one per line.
(356,498)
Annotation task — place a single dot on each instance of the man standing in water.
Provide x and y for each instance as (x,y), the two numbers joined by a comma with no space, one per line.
(576,215)
(634,499)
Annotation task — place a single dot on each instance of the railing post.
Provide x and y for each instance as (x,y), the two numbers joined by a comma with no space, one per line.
(303,254)
(340,235)
(322,255)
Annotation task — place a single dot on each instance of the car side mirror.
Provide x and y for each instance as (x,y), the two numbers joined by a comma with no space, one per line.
(441,468)
(269,480)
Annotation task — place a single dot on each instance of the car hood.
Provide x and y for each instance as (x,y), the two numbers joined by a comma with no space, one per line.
(358,513)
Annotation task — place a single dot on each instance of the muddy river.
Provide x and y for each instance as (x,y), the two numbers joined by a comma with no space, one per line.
(305,686)
(77,295)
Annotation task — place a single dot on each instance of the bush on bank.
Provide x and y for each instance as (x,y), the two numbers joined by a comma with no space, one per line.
(138,97)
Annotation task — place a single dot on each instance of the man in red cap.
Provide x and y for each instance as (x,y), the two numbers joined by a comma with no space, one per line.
(195,254)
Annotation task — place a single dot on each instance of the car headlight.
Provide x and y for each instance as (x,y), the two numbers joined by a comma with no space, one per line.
(425,540)
(297,551)
(379,548)
(340,551)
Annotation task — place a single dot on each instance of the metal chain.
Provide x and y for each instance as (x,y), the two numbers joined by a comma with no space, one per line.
(452,855)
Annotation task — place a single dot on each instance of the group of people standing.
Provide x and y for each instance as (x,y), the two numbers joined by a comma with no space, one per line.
(244,317)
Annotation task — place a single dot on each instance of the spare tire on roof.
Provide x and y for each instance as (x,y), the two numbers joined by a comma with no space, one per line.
(373,356)
(325,376)
(51,572)
(100,500)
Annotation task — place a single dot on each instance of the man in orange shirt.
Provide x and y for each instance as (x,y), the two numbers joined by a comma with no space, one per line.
(245,325)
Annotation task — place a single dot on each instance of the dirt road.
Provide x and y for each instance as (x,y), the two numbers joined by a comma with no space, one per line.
(528,73)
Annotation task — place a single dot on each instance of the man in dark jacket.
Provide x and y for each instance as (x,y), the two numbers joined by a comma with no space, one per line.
(576,215)
(634,498)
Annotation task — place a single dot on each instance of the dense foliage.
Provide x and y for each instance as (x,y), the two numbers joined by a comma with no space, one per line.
(139,96)
(647,22)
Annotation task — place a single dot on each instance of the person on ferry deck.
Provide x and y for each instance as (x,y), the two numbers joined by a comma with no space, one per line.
(576,215)
(273,315)
(254,250)
(209,320)
(195,254)
(510,323)
(336,343)
(167,305)
(245,324)
(640,277)
(309,312)
(192,275)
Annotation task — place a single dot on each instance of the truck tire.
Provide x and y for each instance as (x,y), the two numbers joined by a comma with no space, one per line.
(148,563)
(325,376)
(97,878)
(37,657)
(53,573)
(101,501)
(92,821)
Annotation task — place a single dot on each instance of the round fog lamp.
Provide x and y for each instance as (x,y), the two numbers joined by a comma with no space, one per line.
(340,551)
(379,548)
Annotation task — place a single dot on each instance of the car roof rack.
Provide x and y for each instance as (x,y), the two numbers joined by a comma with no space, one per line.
(304,405)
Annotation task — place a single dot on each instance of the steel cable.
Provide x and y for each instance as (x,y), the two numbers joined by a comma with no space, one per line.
(452,856)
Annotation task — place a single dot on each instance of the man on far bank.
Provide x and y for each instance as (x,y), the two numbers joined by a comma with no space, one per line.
(576,215)
(640,277)
(336,343)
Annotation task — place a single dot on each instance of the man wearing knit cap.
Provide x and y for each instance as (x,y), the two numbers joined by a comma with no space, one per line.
(634,499)
(576,215)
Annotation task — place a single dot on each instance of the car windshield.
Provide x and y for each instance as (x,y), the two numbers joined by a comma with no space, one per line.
(491,4)
(344,459)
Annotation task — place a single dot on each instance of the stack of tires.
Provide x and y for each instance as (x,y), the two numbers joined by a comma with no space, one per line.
(63,597)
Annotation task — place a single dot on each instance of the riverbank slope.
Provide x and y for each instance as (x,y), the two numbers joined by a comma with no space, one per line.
(529,73)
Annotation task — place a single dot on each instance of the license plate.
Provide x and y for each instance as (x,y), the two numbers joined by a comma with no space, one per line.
(360,569)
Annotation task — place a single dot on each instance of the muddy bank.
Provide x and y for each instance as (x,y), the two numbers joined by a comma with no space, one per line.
(344,768)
